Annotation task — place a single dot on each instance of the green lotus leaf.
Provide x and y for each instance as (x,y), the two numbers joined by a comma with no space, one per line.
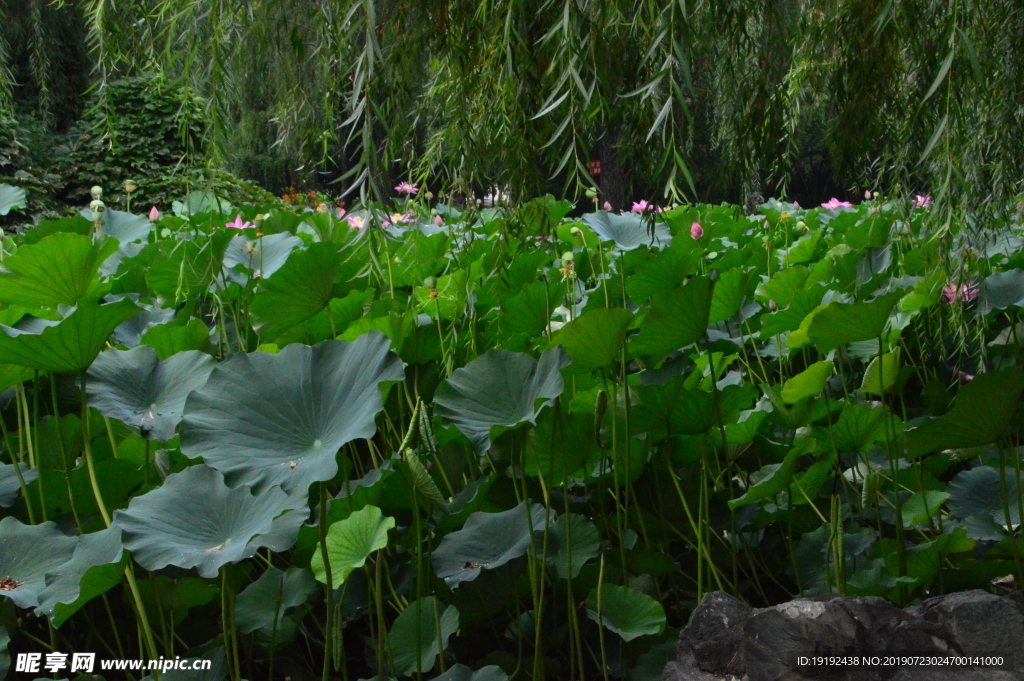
(170,339)
(261,256)
(415,637)
(125,227)
(62,269)
(137,389)
(27,554)
(299,290)
(201,201)
(627,612)
(594,340)
(129,333)
(728,295)
(978,493)
(11,198)
(881,373)
(499,388)
(350,542)
(186,269)
(676,319)
(1004,289)
(12,374)
(264,419)
(841,323)
(262,604)
(560,445)
(492,672)
(981,414)
(807,383)
(572,540)
(661,272)
(628,231)
(10,486)
(95,568)
(71,345)
(218,525)
(487,541)
(769,480)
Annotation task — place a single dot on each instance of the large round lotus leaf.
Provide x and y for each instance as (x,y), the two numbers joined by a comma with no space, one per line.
(95,568)
(125,227)
(420,633)
(595,339)
(299,290)
(27,554)
(627,612)
(499,388)
(572,540)
(11,198)
(69,346)
(59,270)
(487,541)
(265,601)
(195,520)
(263,255)
(264,419)
(10,486)
(978,492)
(628,231)
(135,388)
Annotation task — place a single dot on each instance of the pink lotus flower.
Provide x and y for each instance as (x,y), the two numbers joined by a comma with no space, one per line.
(965,377)
(796,205)
(154,214)
(398,219)
(836,203)
(407,188)
(341,213)
(922,201)
(239,224)
(356,221)
(962,292)
(438,220)
(696,231)
(642,206)
(608,207)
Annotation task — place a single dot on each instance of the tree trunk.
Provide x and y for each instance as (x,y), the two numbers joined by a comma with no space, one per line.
(614,181)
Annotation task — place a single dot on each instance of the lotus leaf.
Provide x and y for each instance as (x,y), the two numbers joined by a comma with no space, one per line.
(11,198)
(94,568)
(492,672)
(218,525)
(59,270)
(262,604)
(10,486)
(140,391)
(351,541)
(417,640)
(264,419)
(627,612)
(71,345)
(487,541)
(499,388)
(27,554)
(628,231)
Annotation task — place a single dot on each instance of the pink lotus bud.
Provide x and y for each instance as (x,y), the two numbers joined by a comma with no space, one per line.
(867,193)
(696,231)
(154,214)
(341,213)
(772,305)
(608,207)
(438,220)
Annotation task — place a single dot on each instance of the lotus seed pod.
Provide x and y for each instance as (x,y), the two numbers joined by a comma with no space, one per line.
(430,282)
(130,186)
(591,192)
(97,192)
(576,231)
(568,256)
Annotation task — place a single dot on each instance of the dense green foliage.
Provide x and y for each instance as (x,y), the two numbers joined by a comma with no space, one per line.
(409,438)
(712,101)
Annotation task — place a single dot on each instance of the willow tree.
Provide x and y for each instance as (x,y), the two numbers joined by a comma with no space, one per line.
(679,99)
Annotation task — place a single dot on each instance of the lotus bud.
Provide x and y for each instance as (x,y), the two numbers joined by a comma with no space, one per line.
(130,186)
(867,193)
(608,206)
(438,220)
(154,214)
(430,282)
(96,192)
(97,207)
(696,231)
(772,305)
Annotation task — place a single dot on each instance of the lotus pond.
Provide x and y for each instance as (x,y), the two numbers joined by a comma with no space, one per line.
(480,445)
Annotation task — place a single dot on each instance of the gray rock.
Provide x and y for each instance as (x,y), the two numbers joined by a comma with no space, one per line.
(727,639)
